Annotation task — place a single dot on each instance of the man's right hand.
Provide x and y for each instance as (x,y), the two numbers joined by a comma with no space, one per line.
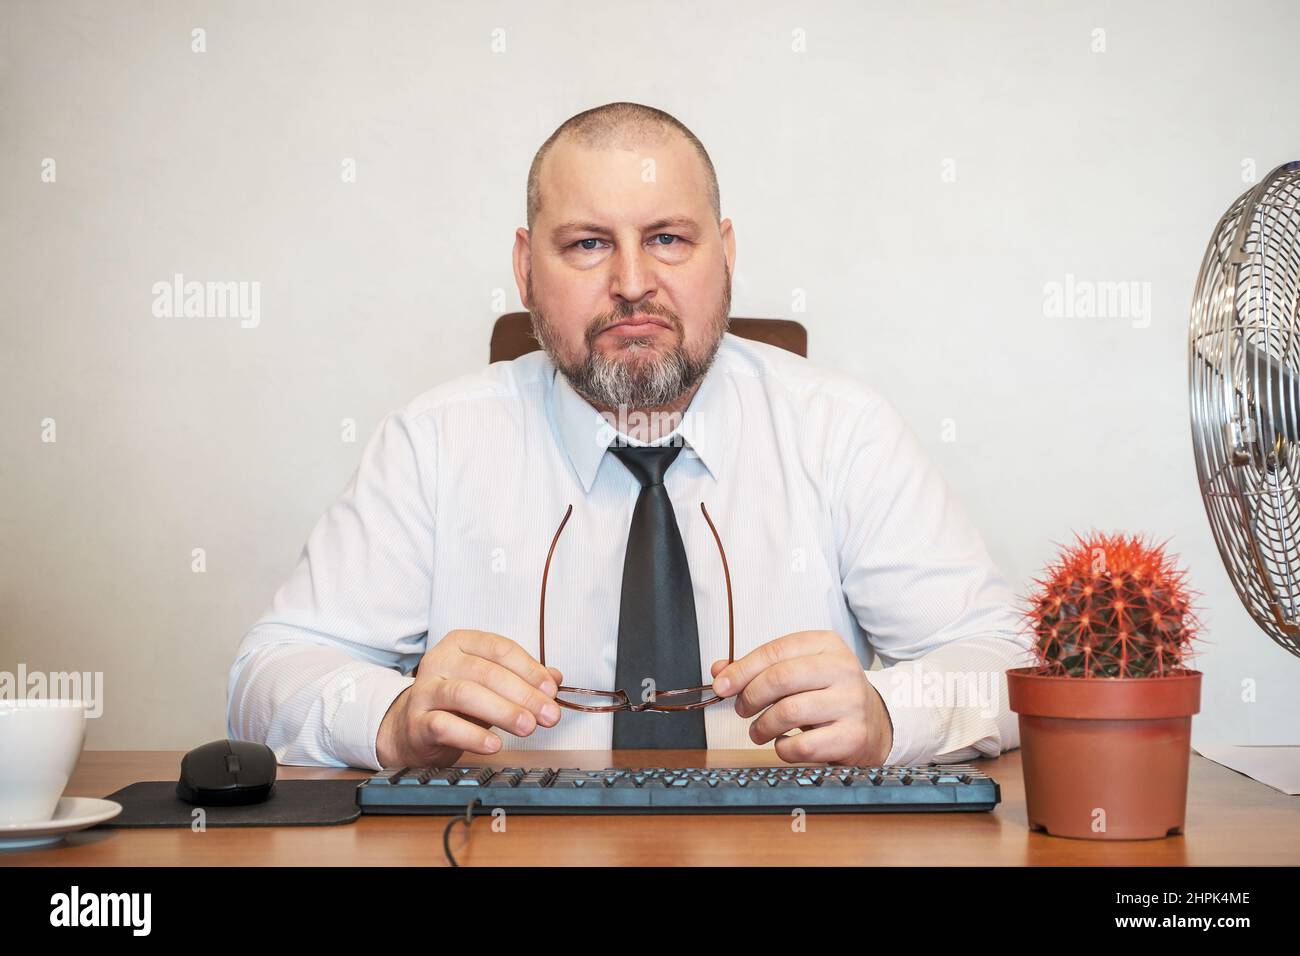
(466,683)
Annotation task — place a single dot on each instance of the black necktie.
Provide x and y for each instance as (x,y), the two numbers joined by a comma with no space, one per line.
(657,636)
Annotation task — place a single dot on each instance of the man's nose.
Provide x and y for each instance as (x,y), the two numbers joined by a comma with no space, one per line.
(633,274)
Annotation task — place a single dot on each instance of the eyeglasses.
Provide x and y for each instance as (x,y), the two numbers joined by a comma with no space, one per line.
(619,699)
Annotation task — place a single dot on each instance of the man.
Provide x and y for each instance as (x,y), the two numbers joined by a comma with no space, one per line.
(662,446)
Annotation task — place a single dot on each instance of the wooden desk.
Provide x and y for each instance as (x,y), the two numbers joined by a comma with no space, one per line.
(1231,821)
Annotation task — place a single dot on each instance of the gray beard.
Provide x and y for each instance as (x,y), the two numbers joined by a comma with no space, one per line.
(650,381)
(657,380)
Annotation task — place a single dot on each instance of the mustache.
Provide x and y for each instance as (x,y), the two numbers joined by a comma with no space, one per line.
(601,322)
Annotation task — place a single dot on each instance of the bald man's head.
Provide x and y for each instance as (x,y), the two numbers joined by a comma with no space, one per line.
(625,266)
(628,126)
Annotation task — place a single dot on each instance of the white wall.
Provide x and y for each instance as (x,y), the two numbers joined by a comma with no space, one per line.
(176,434)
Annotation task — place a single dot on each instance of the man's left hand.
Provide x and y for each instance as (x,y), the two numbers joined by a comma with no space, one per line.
(811,680)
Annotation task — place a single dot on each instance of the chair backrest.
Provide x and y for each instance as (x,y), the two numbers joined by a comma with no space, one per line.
(512,335)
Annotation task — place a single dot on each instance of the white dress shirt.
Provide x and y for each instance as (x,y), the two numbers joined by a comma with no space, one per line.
(831,516)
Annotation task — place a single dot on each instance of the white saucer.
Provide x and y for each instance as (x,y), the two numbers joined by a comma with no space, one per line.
(72,813)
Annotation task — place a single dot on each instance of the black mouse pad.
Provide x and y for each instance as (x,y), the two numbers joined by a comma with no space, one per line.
(293,803)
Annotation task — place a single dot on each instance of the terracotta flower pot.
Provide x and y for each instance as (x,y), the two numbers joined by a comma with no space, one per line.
(1105,758)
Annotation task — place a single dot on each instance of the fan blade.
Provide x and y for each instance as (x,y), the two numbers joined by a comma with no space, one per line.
(1274,385)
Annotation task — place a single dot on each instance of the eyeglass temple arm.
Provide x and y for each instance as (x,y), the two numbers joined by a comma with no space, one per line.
(731,622)
(546,570)
(541,623)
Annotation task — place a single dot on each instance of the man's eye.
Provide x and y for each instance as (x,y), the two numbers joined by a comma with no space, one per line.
(591,245)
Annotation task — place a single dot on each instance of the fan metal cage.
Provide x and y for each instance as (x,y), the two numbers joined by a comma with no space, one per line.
(1244,386)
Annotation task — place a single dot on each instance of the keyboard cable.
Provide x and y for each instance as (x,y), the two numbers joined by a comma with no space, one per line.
(467,819)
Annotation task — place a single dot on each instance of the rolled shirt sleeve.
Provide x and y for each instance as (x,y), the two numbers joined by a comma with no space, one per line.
(932,603)
(316,673)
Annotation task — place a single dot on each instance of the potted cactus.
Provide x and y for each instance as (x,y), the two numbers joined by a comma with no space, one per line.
(1106,712)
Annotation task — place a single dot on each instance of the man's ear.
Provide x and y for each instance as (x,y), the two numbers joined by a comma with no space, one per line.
(728,244)
(523,264)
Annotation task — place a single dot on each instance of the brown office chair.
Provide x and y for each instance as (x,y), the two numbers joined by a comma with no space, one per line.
(512,335)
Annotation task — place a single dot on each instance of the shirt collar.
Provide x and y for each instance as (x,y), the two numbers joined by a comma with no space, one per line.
(585,434)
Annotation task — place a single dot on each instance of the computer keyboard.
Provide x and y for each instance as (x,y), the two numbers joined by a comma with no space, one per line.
(821,789)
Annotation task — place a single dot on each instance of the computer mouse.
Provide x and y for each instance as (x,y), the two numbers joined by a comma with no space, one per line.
(227,773)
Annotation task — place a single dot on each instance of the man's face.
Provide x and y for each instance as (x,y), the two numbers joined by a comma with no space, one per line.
(626,274)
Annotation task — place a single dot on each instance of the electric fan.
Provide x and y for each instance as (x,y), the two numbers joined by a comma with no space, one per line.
(1244,350)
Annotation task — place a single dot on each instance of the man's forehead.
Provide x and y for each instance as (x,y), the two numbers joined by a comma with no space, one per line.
(640,185)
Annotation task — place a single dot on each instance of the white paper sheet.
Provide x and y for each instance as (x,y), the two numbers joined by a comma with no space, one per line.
(1279,767)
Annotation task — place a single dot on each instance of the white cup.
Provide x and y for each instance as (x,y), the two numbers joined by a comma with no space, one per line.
(40,743)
